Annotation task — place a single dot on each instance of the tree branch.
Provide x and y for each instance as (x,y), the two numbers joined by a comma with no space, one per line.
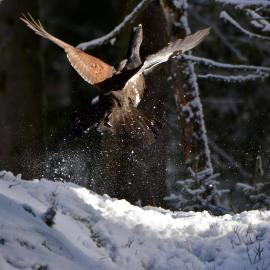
(106,38)
(226,17)
(211,63)
(258,21)
(245,3)
(234,78)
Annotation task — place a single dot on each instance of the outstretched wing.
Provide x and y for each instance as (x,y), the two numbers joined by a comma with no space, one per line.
(175,48)
(134,88)
(90,68)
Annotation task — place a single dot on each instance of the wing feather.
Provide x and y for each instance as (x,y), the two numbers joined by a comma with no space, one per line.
(135,86)
(90,68)
(174,48)
(134,89)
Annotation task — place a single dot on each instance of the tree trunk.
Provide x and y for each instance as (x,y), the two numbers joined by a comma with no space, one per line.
(193,136)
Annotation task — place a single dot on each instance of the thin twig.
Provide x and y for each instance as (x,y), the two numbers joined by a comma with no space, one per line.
(106,38)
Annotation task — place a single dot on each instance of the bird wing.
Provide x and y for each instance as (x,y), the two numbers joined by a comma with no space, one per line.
(90,68)
(134,89)
(175,48)
(135,86)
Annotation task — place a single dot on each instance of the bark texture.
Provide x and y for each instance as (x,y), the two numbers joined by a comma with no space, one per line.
(193,131)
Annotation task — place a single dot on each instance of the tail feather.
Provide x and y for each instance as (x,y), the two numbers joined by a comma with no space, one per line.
(132,125)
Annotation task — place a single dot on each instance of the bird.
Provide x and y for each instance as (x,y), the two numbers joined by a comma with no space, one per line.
(121,88)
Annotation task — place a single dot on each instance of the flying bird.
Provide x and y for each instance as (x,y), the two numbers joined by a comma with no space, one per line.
(121,88)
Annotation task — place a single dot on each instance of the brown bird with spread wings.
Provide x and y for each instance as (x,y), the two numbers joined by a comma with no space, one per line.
(122,88)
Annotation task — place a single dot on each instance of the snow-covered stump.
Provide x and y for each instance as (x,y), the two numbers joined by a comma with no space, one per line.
(194,139)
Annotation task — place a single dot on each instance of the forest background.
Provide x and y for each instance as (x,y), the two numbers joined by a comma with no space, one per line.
(45,107)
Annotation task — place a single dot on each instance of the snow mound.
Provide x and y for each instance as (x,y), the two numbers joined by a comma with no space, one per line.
(89,231)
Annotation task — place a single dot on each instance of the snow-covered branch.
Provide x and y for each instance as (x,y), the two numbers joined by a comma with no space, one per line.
(234,78)
(258,21)
(211,63)
(245,3)
(259,72)
(226,17)
(111,35)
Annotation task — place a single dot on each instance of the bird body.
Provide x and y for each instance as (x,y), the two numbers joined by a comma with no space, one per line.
(122,88)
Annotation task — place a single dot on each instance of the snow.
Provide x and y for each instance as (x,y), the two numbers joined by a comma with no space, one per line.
(98,232)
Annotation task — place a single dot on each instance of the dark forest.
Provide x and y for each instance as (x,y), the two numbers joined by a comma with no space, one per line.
(213,103)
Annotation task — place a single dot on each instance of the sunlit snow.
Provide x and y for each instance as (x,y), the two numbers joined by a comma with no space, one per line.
(98,232)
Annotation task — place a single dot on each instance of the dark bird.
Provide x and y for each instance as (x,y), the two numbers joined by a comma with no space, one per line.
(121,89)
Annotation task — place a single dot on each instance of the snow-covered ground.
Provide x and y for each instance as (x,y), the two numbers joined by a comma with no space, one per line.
(97,232)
